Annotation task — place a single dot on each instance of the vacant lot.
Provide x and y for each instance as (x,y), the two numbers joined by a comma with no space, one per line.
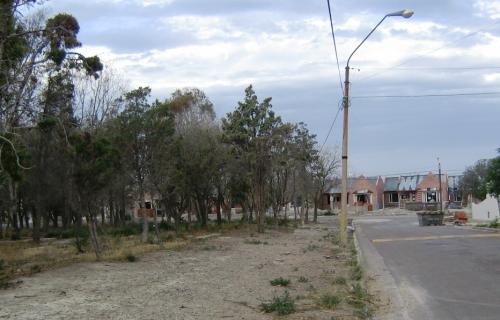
(225,277)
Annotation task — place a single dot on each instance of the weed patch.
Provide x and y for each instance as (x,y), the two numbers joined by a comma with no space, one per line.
(330,301)
(131,258)
(303,279)
(282,305)
(280,282)
(340,281)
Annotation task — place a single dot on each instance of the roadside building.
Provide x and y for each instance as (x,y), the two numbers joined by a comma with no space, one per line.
(367,192)
(391,192)
(454,193)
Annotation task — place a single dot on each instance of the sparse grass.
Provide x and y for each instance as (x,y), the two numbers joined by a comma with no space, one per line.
(340,281)
(310,247)
(280,282)
(282,305)
(255,241)
(303,279)
(330,301)
(359,292)
(356,273)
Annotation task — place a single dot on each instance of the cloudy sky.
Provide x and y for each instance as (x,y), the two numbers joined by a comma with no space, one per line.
(284,48)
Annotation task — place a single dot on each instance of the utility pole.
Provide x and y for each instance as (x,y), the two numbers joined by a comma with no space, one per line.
(440,186)
(343,210)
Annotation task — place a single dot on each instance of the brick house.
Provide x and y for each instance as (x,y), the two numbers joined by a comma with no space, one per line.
(414,189)
(361,191)
(367,191)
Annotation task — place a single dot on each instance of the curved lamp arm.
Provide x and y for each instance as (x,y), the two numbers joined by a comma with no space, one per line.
(403,13)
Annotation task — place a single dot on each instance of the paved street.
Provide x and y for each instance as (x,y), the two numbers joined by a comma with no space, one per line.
(432,272)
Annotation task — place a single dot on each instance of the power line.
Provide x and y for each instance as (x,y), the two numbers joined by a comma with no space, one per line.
(331,126)
(432,68)
(470,34)
(430,95)
(335,45)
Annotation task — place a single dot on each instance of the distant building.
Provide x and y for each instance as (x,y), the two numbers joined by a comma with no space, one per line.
(377,193)
(454,192)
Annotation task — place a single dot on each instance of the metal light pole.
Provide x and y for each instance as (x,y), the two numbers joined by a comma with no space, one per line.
(440,186)
(343,212)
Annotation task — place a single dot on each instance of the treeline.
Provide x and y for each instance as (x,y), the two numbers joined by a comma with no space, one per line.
(76,148)
(482,178)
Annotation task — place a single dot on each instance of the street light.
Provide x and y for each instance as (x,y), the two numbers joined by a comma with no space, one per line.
(343,213)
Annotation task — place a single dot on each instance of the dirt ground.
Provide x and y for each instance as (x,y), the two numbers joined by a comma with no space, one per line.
(225,277)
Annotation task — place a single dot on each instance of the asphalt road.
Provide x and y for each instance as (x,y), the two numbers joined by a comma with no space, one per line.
(439,273)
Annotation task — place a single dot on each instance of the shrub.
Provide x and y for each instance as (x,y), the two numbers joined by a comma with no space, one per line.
(2,265)
(131,258)
(282,305)
(359,292)
(357,273)
(330,301)
(280,282)
(495,223)
(15,236)
(340,280)
(126,230)
(303,279)
(36,268)
(164,225)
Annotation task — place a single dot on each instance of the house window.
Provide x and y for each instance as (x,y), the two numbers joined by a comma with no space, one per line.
(413,197)
(431,196)
(393,197)
(147,205)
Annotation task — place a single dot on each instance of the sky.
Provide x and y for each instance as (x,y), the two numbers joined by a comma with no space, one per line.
(285,49)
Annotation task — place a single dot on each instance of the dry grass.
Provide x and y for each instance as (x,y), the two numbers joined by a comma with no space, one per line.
(23,258)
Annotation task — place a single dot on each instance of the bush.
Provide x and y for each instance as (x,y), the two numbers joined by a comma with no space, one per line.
(357,273)
(131,258)
(330,301)
(303,279)
(280,282)
(283,305)
(495,223)
(359,292)
(340,280)
(126,230)
(2,265)
(164,225)
(15,236)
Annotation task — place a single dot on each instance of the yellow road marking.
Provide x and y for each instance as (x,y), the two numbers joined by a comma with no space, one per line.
(458,236)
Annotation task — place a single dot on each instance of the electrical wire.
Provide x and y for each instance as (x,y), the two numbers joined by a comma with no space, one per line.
(335,45)
(331,126)
(470,34)
(430,95)
(434,68)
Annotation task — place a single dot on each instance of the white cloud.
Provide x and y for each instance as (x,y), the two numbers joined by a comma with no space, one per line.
(490,8)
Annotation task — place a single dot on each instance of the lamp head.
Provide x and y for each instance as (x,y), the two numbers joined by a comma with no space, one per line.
(403,13)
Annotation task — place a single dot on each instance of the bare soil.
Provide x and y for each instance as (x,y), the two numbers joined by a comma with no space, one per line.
(224,277)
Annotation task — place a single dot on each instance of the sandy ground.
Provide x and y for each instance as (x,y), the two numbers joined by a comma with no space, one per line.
(226,277)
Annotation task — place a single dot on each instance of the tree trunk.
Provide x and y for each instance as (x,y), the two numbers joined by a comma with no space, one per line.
(35,216)
(306,218)
(157,229)
(316,211)
(145,225)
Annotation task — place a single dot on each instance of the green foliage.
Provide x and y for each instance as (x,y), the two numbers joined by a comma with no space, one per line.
(356,273)
(494,224)
(493,175)
(340,280)
(280,282)
(330,301)
(474,181)
(131,258)
(282,305)
(359,292)
(128,229)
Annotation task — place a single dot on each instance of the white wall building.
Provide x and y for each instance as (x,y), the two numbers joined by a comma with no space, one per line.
(486,210)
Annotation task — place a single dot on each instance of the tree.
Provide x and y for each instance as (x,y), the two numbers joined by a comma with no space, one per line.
(474,181)
(249,129)
(324,167)
(493,175)
(132,134)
